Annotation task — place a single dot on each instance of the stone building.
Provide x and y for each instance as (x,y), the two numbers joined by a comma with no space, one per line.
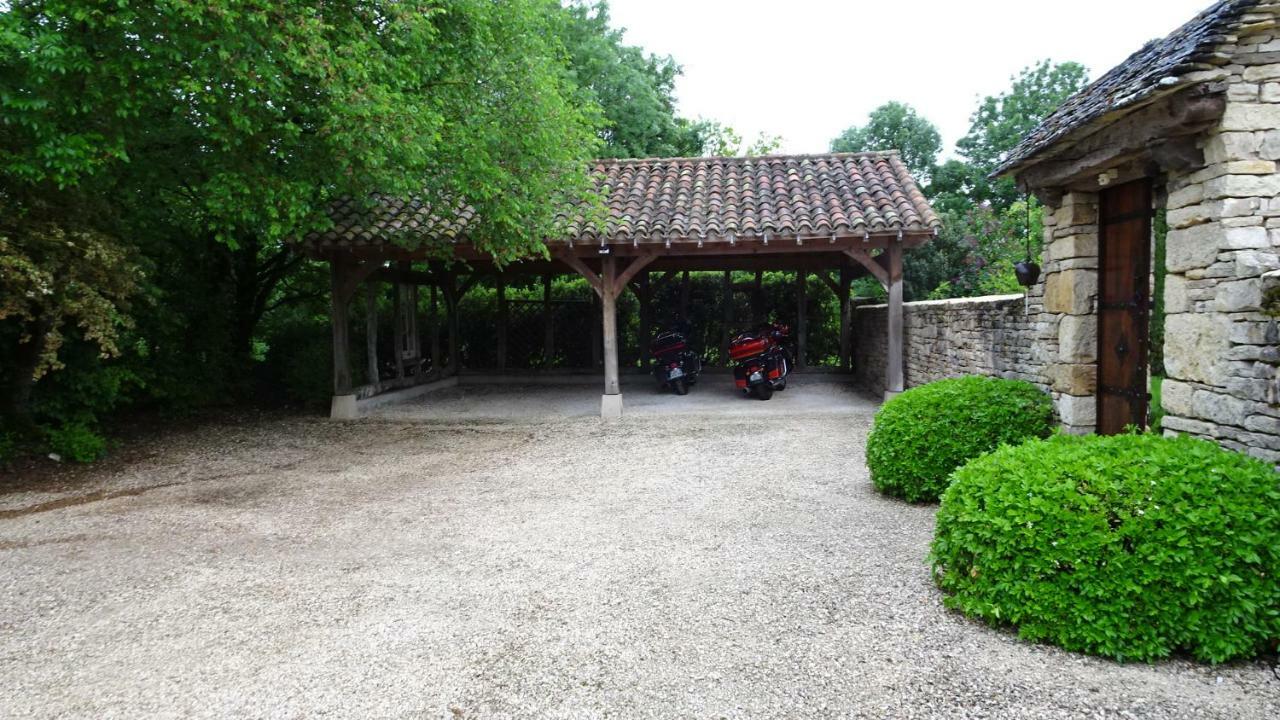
(1189,124)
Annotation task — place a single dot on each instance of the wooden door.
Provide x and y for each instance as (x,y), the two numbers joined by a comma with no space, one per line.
(1124,301)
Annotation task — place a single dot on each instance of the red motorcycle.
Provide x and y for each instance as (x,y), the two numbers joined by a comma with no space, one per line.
(761,360)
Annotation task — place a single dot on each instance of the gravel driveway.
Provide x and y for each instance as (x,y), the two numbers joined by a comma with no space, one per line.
(702,566)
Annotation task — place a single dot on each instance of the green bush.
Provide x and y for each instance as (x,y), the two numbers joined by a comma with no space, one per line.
(76,442)
(1131,547)
(8,446)
(925,433)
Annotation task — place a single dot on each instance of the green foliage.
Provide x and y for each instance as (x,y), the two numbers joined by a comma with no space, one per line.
(634,90)
(76,442)
(180,147)
(1160,231)
(1001,121)
(1133,547)
(1155,412)
(922,435)
(299,358)
(982,220)
(720,140)
(975,252)
(9,444)
(53,275)
(896,126)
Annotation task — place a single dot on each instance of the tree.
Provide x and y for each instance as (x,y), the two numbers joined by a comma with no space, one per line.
(719,140)
(235,124)
(54,274)
(896,126)
(1001,121)
(634,90)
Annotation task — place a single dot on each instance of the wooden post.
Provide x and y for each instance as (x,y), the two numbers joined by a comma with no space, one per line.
(802,319)
(435,332)
(341,338)
(451,308)
(414,342)
(501,348)
(684,296)
(596,334)
(893,382)
(608,285)
(846,320)
(371,330)
(726,298)
(643,294)
(397,327)
(757,298)
(609,313)
(548,323)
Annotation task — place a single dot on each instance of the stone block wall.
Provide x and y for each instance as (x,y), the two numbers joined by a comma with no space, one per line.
(950,338)
(1223,253)
(1067,324)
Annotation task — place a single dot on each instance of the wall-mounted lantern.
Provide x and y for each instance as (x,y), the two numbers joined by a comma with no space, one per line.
(1027,272)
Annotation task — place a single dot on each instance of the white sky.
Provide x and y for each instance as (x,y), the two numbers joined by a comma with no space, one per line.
(807,69)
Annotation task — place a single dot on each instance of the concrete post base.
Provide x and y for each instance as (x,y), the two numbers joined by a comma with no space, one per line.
(344,407)
(611,407)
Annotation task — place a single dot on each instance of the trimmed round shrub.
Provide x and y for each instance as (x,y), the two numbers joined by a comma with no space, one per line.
(1131,547)
(921,436)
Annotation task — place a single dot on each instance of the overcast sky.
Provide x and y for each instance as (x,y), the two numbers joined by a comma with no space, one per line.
(807,69)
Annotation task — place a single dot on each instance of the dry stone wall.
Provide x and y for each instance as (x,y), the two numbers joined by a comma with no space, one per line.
(950,338)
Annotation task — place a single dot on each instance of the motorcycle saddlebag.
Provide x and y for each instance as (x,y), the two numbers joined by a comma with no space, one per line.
(746,346)
(667,342)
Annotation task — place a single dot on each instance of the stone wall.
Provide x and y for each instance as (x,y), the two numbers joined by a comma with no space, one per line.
(949,338)
(1223,253)
(1068,321)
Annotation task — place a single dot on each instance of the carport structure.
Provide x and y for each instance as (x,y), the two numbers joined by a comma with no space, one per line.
(847,214)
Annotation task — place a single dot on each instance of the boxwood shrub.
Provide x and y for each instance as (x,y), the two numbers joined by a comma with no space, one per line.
(922,435)
(1132,547)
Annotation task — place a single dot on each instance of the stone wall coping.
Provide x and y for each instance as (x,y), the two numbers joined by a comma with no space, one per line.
(952,302)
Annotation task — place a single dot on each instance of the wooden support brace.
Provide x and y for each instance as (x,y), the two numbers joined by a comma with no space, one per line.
(636,265)
(832,283)
(871,264)
(581,268)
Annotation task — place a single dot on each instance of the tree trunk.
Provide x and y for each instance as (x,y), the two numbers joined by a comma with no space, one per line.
(26,356)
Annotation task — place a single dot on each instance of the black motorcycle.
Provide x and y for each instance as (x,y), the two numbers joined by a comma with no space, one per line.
(675,364)
(761,360)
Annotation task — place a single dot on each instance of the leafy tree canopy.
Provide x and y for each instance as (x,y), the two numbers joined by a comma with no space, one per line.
(1001,121)
(260,113)
(719,140)
(896,126)
(635,90)
(229,126)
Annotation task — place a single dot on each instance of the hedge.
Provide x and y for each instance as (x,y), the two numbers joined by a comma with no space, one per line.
(1133,547)
(922,435)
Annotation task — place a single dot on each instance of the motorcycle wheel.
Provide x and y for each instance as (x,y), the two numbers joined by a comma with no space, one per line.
(680,386)
(780,385)
(764,391)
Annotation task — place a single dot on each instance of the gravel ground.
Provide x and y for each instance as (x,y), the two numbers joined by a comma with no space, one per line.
(693,566)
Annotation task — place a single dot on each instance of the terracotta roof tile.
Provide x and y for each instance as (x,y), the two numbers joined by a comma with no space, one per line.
(656,199)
